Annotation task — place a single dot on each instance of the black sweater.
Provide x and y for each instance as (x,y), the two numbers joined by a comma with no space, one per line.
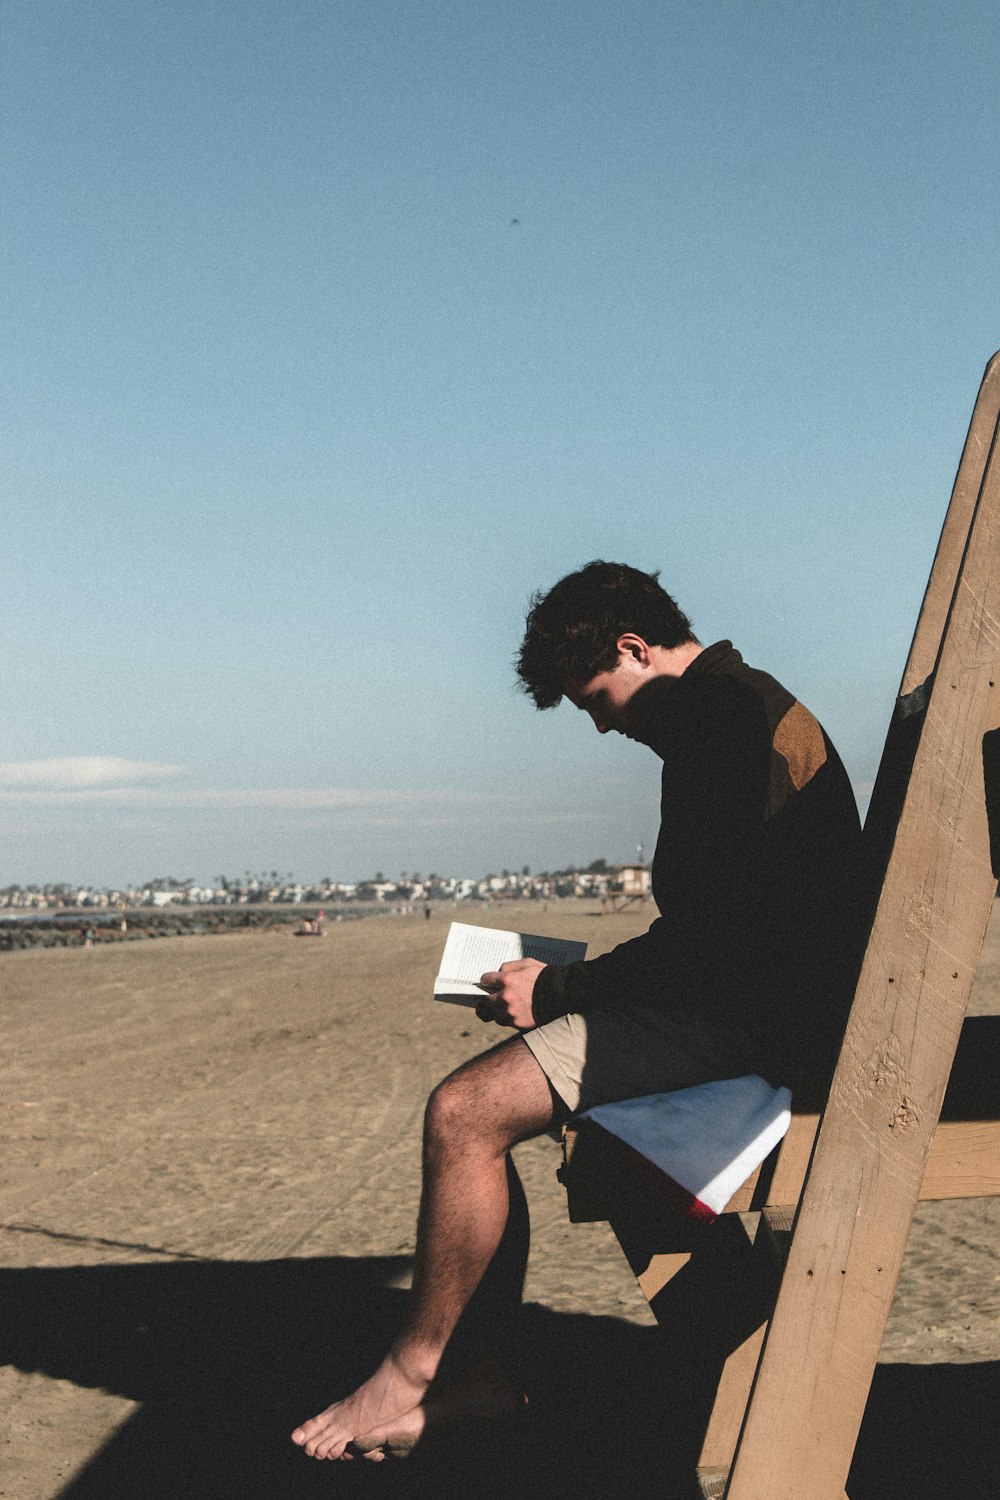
(756,872)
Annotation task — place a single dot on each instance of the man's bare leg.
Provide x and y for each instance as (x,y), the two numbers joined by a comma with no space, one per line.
(472,1120)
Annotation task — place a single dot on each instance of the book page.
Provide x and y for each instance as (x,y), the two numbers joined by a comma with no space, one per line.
(471,951)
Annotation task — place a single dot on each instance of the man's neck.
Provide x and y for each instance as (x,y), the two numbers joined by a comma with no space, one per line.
(674,662)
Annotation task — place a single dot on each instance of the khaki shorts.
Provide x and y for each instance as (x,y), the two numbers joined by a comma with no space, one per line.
(603,1055)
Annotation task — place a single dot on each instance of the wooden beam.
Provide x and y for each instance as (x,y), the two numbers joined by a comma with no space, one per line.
(963,1162)
(955,532)
(886,804)
(723,1430)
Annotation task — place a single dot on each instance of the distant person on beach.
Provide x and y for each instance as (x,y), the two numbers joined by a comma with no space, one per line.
(749,969)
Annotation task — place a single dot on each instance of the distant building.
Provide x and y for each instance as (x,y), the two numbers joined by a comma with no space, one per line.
(633,880)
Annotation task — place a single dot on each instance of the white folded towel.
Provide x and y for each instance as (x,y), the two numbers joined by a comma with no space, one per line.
(704,1141)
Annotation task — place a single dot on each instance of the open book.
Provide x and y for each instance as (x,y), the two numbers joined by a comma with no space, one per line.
(471,951)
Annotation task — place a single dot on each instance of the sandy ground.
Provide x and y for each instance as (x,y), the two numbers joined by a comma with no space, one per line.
(210,1176)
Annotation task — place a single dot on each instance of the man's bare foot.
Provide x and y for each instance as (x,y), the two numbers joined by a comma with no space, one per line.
(383,1398)
(484,1393)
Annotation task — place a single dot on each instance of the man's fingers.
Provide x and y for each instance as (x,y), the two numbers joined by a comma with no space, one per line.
(492,1010)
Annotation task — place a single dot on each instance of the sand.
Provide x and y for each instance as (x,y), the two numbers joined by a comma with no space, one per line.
(210,1178)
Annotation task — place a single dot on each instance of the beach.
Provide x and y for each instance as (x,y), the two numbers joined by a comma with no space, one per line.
(210,1181)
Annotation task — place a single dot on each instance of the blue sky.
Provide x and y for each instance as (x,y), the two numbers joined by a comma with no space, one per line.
(297,416)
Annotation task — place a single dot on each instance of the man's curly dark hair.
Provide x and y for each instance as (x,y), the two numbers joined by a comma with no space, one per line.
(571,632)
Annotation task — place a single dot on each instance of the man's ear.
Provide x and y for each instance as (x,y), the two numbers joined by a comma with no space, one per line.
(634,648)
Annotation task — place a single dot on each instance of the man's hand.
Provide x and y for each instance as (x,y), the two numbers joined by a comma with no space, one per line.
(509,990)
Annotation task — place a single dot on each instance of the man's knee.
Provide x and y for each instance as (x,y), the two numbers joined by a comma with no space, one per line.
(498,1099)
(449,1113)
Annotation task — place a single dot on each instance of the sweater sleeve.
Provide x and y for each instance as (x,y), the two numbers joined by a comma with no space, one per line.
(716,767)
(598,981)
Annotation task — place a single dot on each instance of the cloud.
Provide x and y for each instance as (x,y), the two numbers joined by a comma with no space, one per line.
(286,799)
(71,773)
(111,780)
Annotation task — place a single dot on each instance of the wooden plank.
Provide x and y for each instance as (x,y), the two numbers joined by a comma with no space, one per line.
(863,1184)
(963,1162)
(886,803)
(789,1171)
(730,1405)
(954,533)
(737,1375)
(793,1163)
(659,1271)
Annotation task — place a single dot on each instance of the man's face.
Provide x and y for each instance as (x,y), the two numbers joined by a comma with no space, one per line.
(606,696)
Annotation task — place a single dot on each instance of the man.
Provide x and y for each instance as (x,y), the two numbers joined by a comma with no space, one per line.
(747,970)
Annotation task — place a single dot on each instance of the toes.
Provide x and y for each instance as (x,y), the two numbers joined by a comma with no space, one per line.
(377,1446)
(367,1444)
(309,1432)
(332,1449)
(319,1438)
(323,1444)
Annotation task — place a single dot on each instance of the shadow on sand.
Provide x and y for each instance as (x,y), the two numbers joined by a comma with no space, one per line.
(227,1357)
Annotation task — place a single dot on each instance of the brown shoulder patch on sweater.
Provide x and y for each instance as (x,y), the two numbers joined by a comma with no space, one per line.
(799,741)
